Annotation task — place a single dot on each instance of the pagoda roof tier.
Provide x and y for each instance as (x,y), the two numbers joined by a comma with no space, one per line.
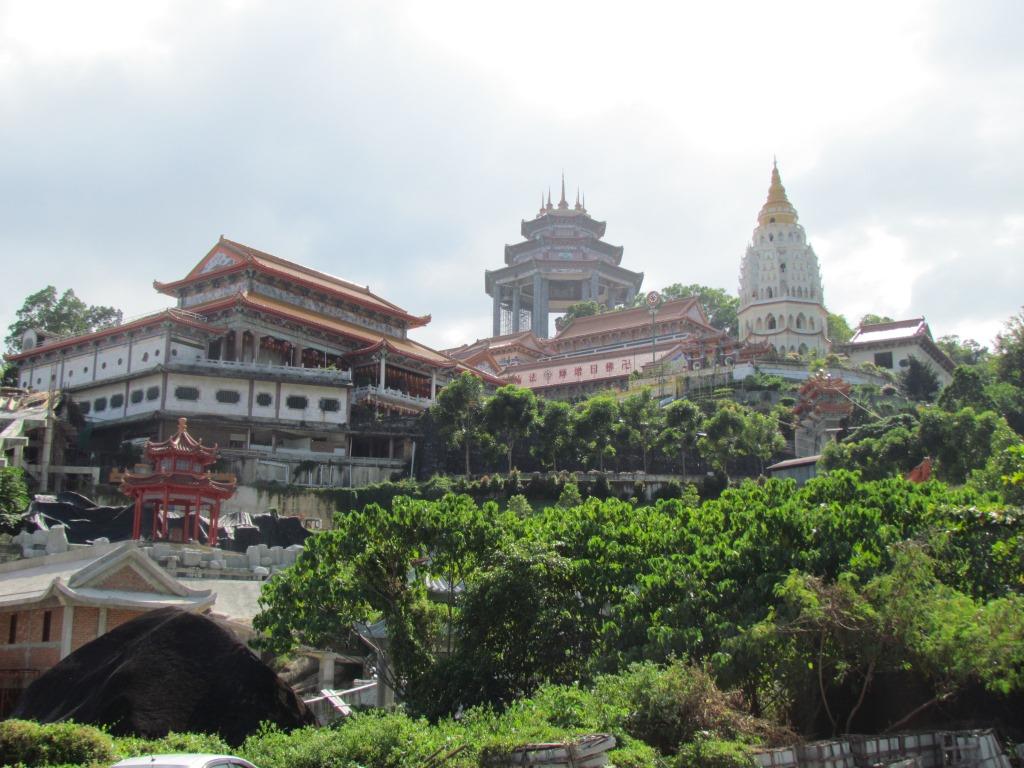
(171,315)
(522,270)
(547,241)
(175,486)
(329,324)
(562,218)
(227,257)
(181,443)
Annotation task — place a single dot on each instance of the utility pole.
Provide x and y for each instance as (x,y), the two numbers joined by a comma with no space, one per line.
(653,301)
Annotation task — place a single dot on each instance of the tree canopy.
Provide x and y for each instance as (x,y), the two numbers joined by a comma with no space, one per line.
(59,314)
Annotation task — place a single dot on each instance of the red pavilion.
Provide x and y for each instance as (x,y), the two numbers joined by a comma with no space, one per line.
(180,477)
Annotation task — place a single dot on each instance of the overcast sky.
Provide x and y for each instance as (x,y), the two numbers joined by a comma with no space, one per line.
(400,144)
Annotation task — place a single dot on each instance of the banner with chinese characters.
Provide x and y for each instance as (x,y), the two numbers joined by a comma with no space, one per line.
(555,372)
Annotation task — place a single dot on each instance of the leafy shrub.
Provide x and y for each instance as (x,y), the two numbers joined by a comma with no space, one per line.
(22,741)
(713,753)
(570,496)
(133,746)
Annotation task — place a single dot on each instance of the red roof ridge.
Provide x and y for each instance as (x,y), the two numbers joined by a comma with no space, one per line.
(188,317)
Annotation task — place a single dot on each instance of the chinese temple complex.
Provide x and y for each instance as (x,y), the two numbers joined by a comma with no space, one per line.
(602,351)
(561,261)
(178,476)
(299,376)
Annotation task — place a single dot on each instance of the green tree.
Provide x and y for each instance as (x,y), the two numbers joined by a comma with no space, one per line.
(458,411)
(641,421)
(587,308)
(1010,352)
(553,431)
(724,430)
(839,330)
(60,315)
(13,497)
(873,319)
(963,441)
(683,422)
(967,389)
(919,381)
(509,416)
(594,425)
(522,623)
(761,438)
(962,351)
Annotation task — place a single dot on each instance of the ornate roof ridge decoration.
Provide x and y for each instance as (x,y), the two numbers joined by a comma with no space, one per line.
(181,443)
(212,265)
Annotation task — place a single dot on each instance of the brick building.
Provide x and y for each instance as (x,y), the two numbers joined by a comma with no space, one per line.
(54,604)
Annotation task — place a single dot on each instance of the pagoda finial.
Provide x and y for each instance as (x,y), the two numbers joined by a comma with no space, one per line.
(549,206)
(578,206)
(777,208)
(562,201)
(182,424)
(584,202)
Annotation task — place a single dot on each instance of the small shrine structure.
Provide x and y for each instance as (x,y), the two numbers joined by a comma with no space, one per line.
(178,476)
(824,404)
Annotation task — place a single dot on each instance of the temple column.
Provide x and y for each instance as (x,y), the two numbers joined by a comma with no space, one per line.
(516,291)
(595,290)
(497,311)
(433,385)
(545,303)
(383,359)
(536,325)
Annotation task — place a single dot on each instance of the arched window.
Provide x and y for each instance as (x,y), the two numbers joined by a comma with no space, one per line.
(803,349)
(810,322)
(769,292)
(771,325)
(760,325)
(801,322)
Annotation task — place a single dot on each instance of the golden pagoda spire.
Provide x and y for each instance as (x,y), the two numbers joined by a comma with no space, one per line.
(777,208)
(562,203)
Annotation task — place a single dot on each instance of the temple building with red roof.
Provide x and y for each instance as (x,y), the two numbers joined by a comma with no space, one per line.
(298,375)
(599,352)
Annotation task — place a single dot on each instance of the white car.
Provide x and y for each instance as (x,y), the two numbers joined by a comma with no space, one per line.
(185,761)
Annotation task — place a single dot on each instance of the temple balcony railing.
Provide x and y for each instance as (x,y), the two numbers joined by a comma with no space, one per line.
(388,395)
(270,369)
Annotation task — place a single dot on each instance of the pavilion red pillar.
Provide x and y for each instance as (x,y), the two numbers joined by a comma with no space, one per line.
(137,519)
(211,532)
(198,520)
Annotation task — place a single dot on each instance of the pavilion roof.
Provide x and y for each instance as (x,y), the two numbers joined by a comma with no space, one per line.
(228,256)
(181,443)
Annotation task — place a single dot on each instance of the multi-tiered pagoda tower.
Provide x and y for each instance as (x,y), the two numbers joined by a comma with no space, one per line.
(562,261)
(781,299)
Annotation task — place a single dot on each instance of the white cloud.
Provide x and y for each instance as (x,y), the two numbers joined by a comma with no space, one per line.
(400,145)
